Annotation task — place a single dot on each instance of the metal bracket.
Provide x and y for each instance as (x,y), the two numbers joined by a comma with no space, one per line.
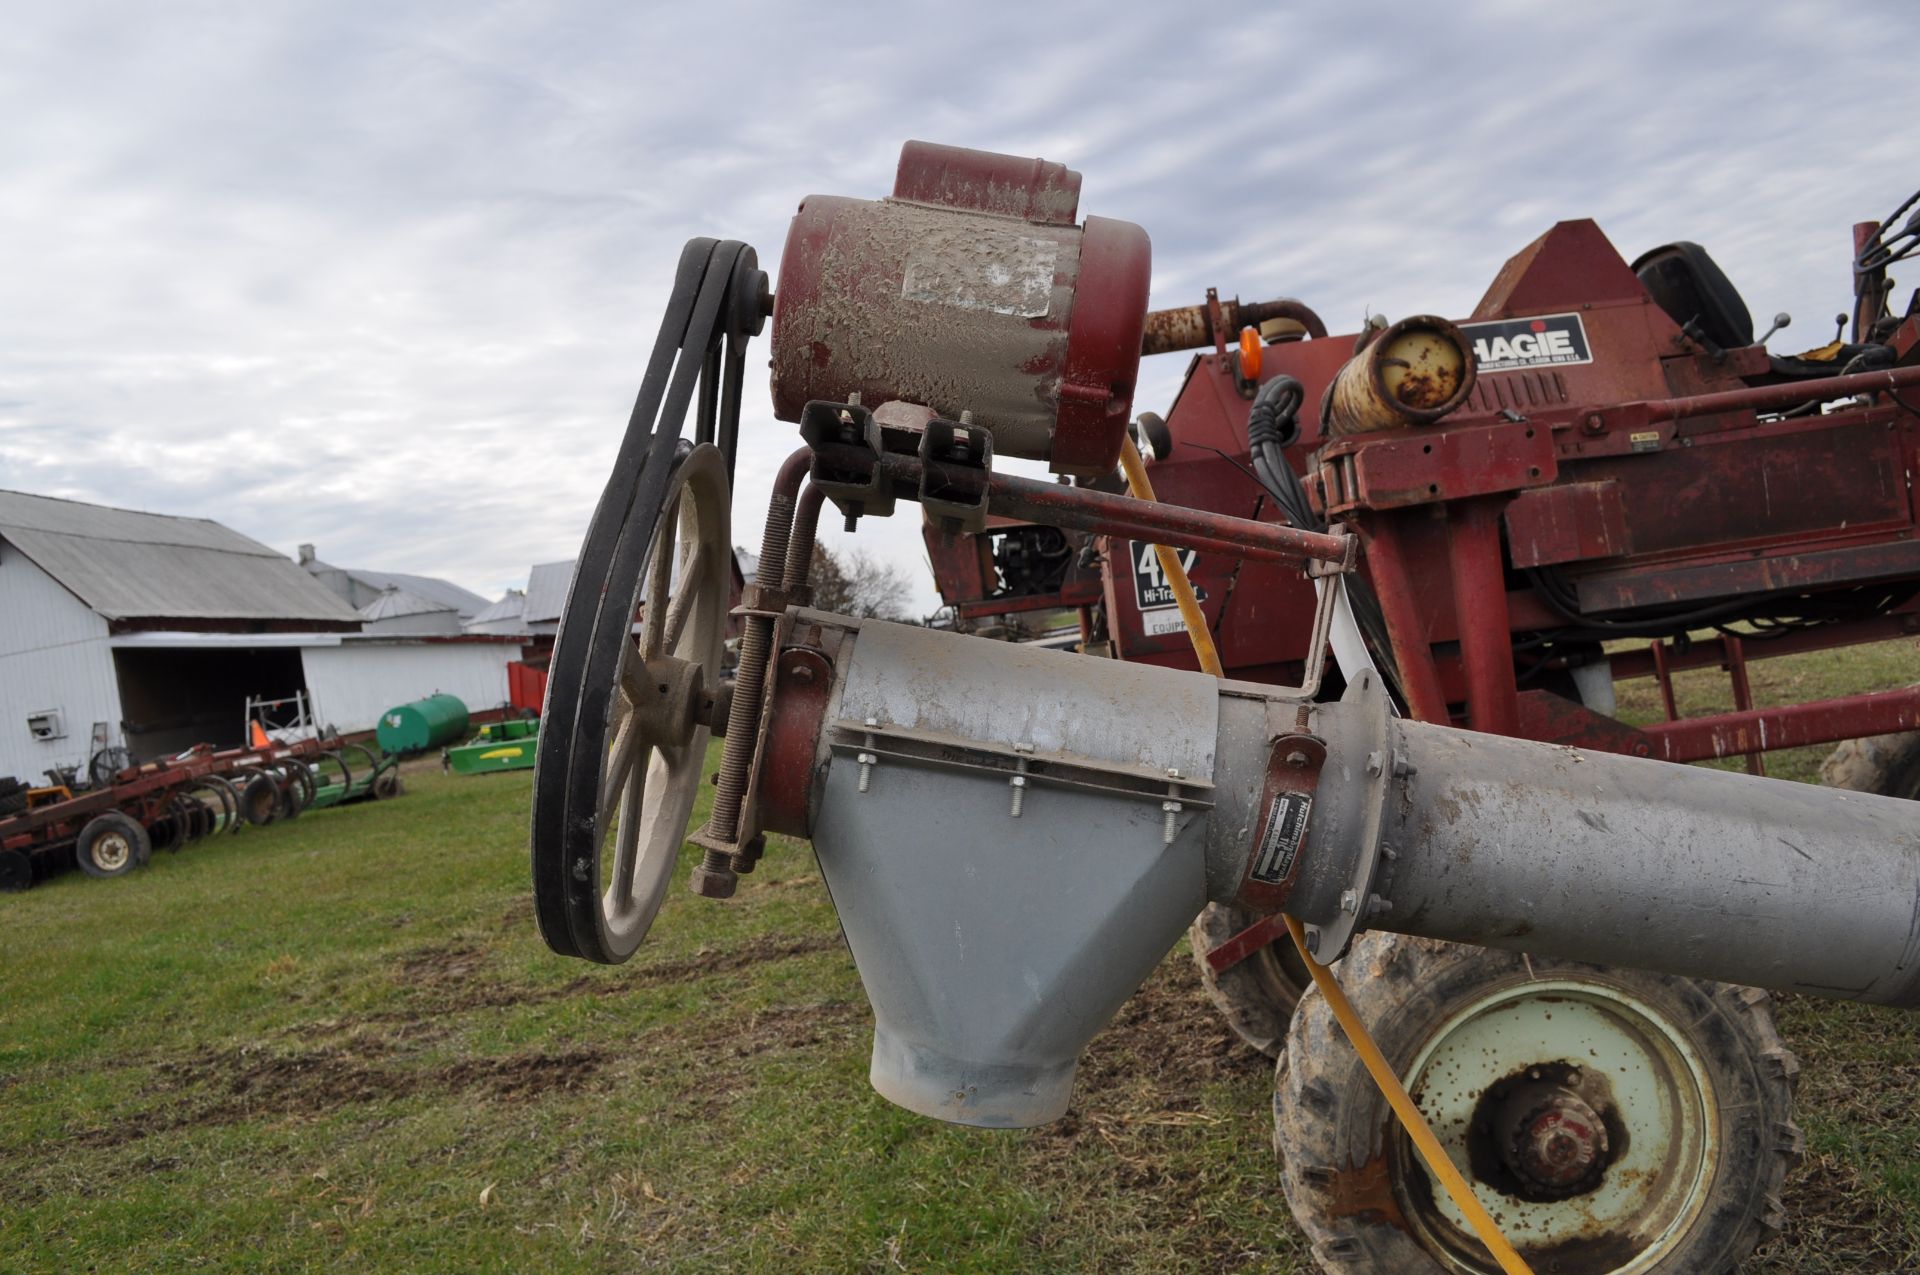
(956,459)
(884,742)
(853,479)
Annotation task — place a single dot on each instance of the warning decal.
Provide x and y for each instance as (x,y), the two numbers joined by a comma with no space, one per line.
(1280,843)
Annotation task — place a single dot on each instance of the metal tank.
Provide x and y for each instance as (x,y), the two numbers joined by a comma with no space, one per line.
(422,724)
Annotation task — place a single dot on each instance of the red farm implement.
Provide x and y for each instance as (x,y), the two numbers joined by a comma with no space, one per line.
(1556,936)
(114,826)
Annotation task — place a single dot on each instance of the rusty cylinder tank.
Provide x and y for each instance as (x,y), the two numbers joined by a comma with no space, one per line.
(1413,373)
(970,289)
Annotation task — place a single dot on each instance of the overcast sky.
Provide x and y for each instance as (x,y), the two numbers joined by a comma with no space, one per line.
(383,277)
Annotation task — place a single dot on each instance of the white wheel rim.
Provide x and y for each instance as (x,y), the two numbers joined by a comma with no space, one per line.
(648,784)
(112,850)
(1650,1192)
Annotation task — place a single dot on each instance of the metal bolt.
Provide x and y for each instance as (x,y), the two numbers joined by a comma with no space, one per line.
(1349,901)
(800,673)
(1296,759)
(1376,762)
(1170,808)
(867,759)
(1376,905)
(1018,783)
(1402,768)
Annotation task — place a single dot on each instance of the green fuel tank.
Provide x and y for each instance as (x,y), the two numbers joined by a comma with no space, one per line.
(423,724)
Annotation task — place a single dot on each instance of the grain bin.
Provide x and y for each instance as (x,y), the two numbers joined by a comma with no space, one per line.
(423,724)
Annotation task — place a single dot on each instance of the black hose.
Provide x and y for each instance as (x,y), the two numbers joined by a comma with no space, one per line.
(1273,424)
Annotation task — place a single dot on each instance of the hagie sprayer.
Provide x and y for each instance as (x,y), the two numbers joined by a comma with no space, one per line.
(1368,604)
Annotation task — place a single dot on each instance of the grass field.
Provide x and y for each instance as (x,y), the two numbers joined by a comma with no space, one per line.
(340,1043)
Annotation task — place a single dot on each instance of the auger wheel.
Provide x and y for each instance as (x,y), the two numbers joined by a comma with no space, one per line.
(631,768)
(636,663)
(1614,1121)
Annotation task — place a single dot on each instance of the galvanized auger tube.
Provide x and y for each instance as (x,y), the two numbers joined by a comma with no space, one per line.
(1014,837)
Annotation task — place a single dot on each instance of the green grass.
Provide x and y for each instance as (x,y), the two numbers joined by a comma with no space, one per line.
(340,1043)
(1792,679)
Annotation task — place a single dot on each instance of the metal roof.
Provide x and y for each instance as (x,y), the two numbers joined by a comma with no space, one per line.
(124,564)
(449,596)
(505,616)
(394,603)
(547,591)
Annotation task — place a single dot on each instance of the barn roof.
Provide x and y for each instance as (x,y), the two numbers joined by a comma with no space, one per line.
(547,591)
(395,602)
(445,593)
(509,610)
(125,565)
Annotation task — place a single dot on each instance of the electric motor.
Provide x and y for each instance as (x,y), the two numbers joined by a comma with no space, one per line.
(969,290)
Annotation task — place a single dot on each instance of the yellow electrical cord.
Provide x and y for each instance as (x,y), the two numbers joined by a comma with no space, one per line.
(1376,1064)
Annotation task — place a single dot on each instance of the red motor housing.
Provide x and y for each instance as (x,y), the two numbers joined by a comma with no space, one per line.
(969,290)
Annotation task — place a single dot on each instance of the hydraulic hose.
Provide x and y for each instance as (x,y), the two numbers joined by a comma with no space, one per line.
(1376,1064)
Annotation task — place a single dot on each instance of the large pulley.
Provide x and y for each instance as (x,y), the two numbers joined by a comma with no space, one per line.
(636,662)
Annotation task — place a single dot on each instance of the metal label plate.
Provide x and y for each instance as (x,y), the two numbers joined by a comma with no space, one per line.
(1547,340)
(995,271)
(1280,843)
(1151,589)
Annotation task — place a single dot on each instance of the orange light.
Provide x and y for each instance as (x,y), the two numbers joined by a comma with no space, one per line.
(1250,348)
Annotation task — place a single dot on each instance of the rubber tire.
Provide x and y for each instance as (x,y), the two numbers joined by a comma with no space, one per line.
(387,784)
(1329,1119)
(1257,996)
(99,826)
(1885,764)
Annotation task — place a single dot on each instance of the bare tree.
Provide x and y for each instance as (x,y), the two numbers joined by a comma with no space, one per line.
(856,583)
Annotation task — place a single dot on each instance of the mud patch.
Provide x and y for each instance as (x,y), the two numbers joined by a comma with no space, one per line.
(1167,1034)
(759,951)
(439,966)
(523,1077)
(229,1086)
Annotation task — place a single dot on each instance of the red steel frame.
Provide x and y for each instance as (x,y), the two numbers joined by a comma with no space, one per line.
(1649,474)
(141,792)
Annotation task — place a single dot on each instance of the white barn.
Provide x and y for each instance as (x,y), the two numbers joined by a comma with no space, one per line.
(154,630)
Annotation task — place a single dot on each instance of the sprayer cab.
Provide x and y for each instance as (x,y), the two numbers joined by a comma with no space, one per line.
(1087,809)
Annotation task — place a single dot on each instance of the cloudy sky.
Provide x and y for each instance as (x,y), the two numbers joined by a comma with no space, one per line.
(383,276)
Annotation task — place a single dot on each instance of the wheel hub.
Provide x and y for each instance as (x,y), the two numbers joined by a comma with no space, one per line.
(1551,1138)
(1606,1150)
(670,697)
(112,851)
